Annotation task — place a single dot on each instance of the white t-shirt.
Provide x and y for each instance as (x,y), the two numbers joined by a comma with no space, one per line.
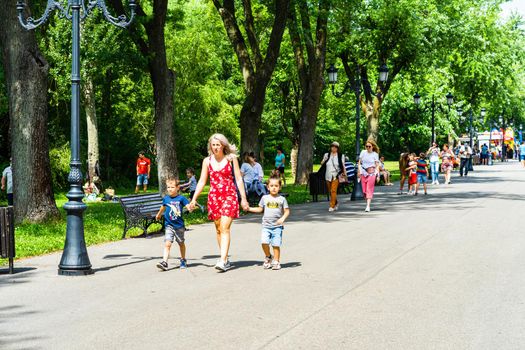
(7,173)
(259,174)
(332,166)
(368,159)
(248,173)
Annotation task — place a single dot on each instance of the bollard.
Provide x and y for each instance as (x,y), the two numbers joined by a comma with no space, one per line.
(7,236)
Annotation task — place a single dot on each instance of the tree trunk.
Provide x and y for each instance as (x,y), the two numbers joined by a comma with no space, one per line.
(250,118)
(293,159)
(372,111)
(310,71)
(26,73)
(309,111)
(163,80)
(92,126)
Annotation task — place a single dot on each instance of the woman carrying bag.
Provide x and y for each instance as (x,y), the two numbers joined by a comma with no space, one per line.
(332,166)
(368,170)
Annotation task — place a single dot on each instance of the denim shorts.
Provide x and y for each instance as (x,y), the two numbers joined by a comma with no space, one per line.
(522,156)
(272,236)
(142,179)
(174,234)
(422,178)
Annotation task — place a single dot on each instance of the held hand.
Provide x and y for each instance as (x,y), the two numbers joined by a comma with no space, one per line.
(192,205)
(244,204)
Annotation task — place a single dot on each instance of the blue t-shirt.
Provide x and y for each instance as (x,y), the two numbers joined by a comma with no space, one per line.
(173,212)
(193,183)
(279,159)
(522,149)
(484,149)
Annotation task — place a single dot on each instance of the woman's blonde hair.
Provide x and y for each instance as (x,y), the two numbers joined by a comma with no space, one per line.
(375,147)
(229,150)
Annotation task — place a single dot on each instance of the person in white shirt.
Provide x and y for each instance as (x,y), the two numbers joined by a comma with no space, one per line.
(465,154)
(368,170)
(334,170)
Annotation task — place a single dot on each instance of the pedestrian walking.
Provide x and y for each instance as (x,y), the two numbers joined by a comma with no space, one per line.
(143,168)
(412,174)
(276,210)
(465,155)
(447,162)
(280,163)
(7,182)
(333,168)
(433,153)
(422,172)
(522,153)
(368,170)
(221,166)
(174,227)
(404,158)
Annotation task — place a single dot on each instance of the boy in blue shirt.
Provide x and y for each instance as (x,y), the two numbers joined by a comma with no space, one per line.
(172,205)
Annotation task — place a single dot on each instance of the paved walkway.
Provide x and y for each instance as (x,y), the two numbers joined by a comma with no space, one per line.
(443,271)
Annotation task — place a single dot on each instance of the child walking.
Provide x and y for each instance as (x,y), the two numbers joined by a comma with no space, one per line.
(276,211)
(412,175)
(191,185)
(174,228)
(422,172)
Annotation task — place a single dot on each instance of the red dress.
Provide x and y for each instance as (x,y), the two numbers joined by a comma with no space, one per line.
(222,198)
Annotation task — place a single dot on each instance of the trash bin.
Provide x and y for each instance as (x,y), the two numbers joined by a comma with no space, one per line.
(317,185)
(7,235)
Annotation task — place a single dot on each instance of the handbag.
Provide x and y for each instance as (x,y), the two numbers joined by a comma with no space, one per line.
(342,178)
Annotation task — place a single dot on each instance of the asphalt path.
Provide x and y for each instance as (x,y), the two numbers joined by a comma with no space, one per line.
(442,271)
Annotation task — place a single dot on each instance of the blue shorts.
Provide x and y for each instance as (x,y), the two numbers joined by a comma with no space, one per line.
(272,236)
(522,157)
(421,178)
(142,179)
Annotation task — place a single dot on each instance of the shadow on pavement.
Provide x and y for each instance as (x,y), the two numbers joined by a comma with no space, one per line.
(248,263)
(138,260)
(11,340)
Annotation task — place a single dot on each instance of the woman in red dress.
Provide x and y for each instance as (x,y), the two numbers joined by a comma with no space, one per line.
(223,204)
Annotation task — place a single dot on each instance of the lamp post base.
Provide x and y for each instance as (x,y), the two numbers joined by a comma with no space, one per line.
(66,272)
(357,191)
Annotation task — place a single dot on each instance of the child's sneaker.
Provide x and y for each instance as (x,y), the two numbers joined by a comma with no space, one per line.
(163,265)
(276,265)
(267,262)
(183,264)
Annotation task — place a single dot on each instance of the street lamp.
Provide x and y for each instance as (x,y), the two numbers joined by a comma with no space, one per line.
(503,147)
(357,192)
(75,259)
(433,105)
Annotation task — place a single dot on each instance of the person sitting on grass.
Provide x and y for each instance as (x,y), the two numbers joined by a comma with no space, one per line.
(276,210)
(174,227)
(383,172)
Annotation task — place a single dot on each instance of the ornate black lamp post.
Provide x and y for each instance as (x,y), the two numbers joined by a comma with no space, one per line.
(433,105)
(75,260)
(357,192)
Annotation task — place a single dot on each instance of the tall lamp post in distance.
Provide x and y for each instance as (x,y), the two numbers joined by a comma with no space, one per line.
(75,259)
(357,192)
(433,105)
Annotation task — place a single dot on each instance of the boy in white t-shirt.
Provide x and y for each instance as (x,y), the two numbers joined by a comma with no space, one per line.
(276,210)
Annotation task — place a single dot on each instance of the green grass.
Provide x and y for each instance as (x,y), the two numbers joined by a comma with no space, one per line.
(104,221)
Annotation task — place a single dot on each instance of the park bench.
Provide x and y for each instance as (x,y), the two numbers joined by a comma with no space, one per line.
(317,183)
(140,211)
(7,236)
